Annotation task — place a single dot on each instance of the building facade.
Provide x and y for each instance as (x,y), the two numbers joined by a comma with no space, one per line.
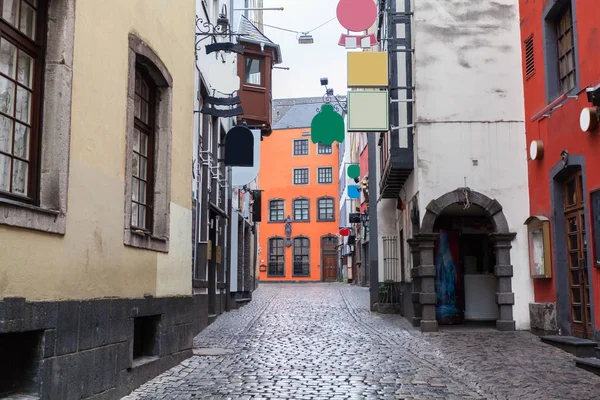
(95,199)
(561,71)
(452,167)
(298,235)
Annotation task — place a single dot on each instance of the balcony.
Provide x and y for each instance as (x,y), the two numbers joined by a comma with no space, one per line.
(397,163)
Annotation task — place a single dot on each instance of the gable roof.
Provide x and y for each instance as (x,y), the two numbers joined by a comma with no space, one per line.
(296,113)
(253,35)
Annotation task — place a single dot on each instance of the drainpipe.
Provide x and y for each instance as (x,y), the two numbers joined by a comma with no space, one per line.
(373,234)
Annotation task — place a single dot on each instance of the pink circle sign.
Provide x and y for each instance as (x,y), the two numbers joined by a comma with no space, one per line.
(357,15)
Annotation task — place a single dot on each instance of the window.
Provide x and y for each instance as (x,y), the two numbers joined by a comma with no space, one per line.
(21,64)
(276,257)
(276,210)
(301,176)
(560,49)
(35,130)
(253,71)
(301,256)
(529,58)
(566,51)
(143,152)
(301,147)
(301,210)
(325,209)
(325,174)
(148,194)
(324,148)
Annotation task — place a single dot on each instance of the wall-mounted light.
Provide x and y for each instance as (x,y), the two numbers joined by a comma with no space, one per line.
(589,119)
(536,150)
(223,20)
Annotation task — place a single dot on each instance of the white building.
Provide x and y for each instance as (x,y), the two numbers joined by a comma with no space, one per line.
(452,169)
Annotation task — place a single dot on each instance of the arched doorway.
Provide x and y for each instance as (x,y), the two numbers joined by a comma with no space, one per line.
(458,225)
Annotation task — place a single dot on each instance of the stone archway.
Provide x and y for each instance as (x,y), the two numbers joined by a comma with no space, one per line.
(422,249)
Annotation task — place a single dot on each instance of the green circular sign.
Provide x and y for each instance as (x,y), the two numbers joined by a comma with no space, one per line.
(354,171)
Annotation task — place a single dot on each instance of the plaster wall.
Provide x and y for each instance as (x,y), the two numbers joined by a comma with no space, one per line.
(90,260)
(469,116)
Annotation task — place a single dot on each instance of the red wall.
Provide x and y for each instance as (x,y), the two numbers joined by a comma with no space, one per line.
(561,130)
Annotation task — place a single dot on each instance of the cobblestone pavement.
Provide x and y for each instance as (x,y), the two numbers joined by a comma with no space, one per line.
(319,341)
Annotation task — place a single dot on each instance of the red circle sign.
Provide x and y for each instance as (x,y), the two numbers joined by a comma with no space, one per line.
(357,15)
(344,231)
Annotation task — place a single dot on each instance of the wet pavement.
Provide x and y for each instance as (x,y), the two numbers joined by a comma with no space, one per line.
(320,341)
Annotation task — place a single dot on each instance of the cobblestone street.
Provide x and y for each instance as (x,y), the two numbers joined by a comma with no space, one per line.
(319,341)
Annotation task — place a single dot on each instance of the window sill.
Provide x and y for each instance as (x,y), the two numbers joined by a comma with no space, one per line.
(24,215)
(301,220)
(147,241)
(138,362)
(254,88)
(326,220)
(275,276)
(275,222)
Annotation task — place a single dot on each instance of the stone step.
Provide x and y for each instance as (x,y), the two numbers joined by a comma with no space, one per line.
(578,347)
(589,364)
(598,352)
(212,318)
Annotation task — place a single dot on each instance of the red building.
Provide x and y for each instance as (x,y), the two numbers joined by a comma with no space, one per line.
(561,69)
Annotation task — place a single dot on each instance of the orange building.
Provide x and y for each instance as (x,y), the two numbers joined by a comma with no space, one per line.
(298,232)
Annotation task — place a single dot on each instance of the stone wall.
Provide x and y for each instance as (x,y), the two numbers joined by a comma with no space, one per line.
(86,348)
(543,318)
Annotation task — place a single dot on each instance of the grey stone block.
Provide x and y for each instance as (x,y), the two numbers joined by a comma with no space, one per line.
(427,298)
(41,314)
(86,376)
(505,298)
(94,324)
(506,326)
(124,355)
(120,326)
(61,378)
(105,368)
(543,317)
(504,271)
(429,326)
(67,327)
(49,343)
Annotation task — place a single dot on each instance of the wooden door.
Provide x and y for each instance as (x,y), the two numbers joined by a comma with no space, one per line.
(579,290)
(330,267)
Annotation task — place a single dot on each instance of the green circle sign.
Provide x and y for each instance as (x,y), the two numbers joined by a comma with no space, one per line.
(354,171)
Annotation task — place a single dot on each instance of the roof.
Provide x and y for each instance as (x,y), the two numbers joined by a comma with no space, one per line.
(296,113)
(253,35)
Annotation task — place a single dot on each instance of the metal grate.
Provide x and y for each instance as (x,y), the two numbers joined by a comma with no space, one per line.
(391,264)
(529,58)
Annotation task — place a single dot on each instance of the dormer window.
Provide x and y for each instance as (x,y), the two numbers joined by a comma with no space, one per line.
(253,71)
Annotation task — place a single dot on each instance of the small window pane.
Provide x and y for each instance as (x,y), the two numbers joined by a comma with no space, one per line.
(142,212)
(5,134)
(301,147)
(145,90)
(9,11)
(134,214)
(8,55)
(143,192)
(301,176)
(136,140)
(27,25)
(137,106)
(136,165)
(253,70)
(21,141)
(145,117)
(143,168)
(7,96)
(20,177)
(135,189)
(4,173)
(23,110)
(25,75)
(144,144)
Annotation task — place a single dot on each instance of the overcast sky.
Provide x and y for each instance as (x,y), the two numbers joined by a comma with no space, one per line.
(307,62)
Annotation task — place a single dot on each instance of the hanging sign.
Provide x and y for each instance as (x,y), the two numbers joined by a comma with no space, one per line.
(345,231)
(353,192)
(327,126)
(357,16)
(354,171)
(239,147)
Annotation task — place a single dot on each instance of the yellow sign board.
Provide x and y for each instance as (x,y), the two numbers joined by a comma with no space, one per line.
(218,255)
(209,250)
(368,69)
